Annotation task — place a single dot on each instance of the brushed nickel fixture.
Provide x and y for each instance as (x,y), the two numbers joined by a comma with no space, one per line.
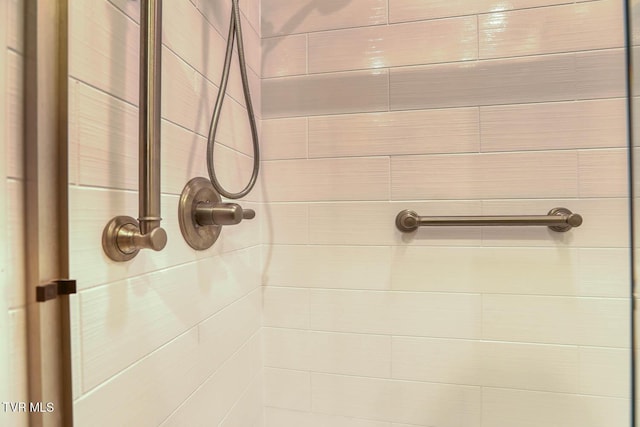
(124,236)
(202,213)
(558,219)
(235,31)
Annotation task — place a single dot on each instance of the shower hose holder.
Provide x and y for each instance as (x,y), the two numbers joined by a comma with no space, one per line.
(202,214)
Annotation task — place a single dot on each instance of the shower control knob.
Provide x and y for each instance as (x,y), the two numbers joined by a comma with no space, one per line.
(222,214)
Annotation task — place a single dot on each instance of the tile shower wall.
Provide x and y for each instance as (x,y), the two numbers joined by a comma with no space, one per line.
(171,338)
(447,108)
(12,281)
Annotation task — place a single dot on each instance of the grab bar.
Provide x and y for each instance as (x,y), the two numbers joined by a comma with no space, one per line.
(124,236)
(558,219)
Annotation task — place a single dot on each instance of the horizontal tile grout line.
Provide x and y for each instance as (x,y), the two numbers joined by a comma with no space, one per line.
(130,18)
(82,289)
(166,119)
(206,380)
(155,351)
(439,18)
(404,380)
(441,64)
(215,84)
(433,338)
(406,109)
(403,245)
(458,153)
(443,293)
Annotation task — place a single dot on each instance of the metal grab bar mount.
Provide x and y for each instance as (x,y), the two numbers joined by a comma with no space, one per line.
(558,219)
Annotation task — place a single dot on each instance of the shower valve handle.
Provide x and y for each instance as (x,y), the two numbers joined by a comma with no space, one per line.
(222,213)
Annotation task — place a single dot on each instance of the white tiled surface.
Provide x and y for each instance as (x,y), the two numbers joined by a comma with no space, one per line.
(490,108)
(158,336)
(513,110)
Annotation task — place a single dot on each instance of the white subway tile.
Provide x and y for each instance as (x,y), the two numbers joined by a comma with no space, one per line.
(477,176)
(391,400)
(326,179)
(330,93)
(223,334)
(419,43)
(104,48)
(336,224)
(565,28)
(287,348)
(286,307)
(412,10)
(285,223)
(392,133)
(150,390)
(541,367)
(213,399)
(604,272)
(284,139)
(124,321)
(287,389)
(603,173)
(436,314)
(350,354)
(550,126)
(530,366)
(604,371)
(249,410)
(345,267)
(437,360)
(549,271)
(556,320)
(282,17)
(501,81)
(514,270)
(14,160)
(600,74)
(106,137)
(416,314)
(284,56)
(351,311)
(276,417)
(507,408)
(201,46)
(542,271)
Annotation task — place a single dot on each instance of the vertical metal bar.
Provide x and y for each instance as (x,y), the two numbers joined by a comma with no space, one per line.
(150,114)
(46,206)
(124,236)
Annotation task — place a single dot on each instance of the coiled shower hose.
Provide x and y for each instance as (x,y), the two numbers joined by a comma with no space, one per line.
(235,30)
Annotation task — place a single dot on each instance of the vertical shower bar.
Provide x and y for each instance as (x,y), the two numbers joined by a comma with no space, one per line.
(124,236)
(149,118)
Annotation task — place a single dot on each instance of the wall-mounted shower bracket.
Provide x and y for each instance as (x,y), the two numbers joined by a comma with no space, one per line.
(202,214)
(122,239)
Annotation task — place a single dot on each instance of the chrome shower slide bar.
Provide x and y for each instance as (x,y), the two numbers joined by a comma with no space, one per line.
(558,219)
(124,236)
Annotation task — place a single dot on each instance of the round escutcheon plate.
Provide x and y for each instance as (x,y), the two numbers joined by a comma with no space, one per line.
(198,190)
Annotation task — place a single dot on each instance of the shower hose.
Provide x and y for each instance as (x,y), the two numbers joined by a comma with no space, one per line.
(235,31)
